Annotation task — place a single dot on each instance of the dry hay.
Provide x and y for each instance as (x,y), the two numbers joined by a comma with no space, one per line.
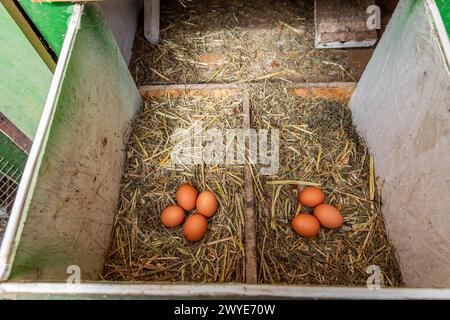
(318,144)
(233,41)
(142,248)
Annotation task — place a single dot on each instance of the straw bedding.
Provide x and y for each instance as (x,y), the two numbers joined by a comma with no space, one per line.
(318,145)
(227,41)
(143,249)
(235,41)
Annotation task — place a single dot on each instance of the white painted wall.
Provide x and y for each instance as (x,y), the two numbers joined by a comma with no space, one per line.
(122,18)
(401,106)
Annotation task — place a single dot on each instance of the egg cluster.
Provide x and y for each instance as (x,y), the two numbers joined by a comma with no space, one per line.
(189,199)
(308,225)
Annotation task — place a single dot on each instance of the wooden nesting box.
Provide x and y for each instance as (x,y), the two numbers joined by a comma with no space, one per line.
(68,196)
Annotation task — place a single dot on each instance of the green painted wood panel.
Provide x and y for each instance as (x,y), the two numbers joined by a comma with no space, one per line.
(50,19)
(73,198)
(444,8)
(24,77)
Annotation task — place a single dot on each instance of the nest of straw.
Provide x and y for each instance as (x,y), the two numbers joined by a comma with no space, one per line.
(319,145)
(234,40)
(142,248)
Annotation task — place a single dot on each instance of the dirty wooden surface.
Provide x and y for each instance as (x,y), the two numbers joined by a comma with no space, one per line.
(401,108)
(343,24)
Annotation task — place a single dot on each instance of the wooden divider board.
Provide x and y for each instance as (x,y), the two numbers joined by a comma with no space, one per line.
(336,91)
(251,265)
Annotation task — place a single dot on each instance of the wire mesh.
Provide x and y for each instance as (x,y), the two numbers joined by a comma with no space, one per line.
(9,182)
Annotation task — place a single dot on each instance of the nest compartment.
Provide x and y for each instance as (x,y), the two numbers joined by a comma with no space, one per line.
(143,249)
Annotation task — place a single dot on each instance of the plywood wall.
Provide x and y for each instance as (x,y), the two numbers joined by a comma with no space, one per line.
(70,207)
(402,108)
(122,18)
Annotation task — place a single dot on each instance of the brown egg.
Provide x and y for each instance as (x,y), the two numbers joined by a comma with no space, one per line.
(186,196)
(311,197)
(306,225)
(172,216)
(195,227)
(207,203)
(328,216)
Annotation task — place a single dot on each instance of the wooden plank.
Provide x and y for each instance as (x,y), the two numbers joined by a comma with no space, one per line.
(336,91)
(151,20)
(251,275)
(178,90)
(343,24)
(69,193)
(122,17)
(24,76)
(226,291)
(13,133)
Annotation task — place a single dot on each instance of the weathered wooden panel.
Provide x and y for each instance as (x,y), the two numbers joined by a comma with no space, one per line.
(402,107)
(343,24)
(122,17)
(73,196)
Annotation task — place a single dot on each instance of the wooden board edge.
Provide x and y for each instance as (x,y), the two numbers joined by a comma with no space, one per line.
(251,275)
(14,134)
(339,92)
(196,90)
(336,91)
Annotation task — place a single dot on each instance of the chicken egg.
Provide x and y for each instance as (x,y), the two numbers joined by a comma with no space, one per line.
(328,216)
(207,204)
(306,225)
(172,216)
(311,197)
(195,227)
(186,196)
